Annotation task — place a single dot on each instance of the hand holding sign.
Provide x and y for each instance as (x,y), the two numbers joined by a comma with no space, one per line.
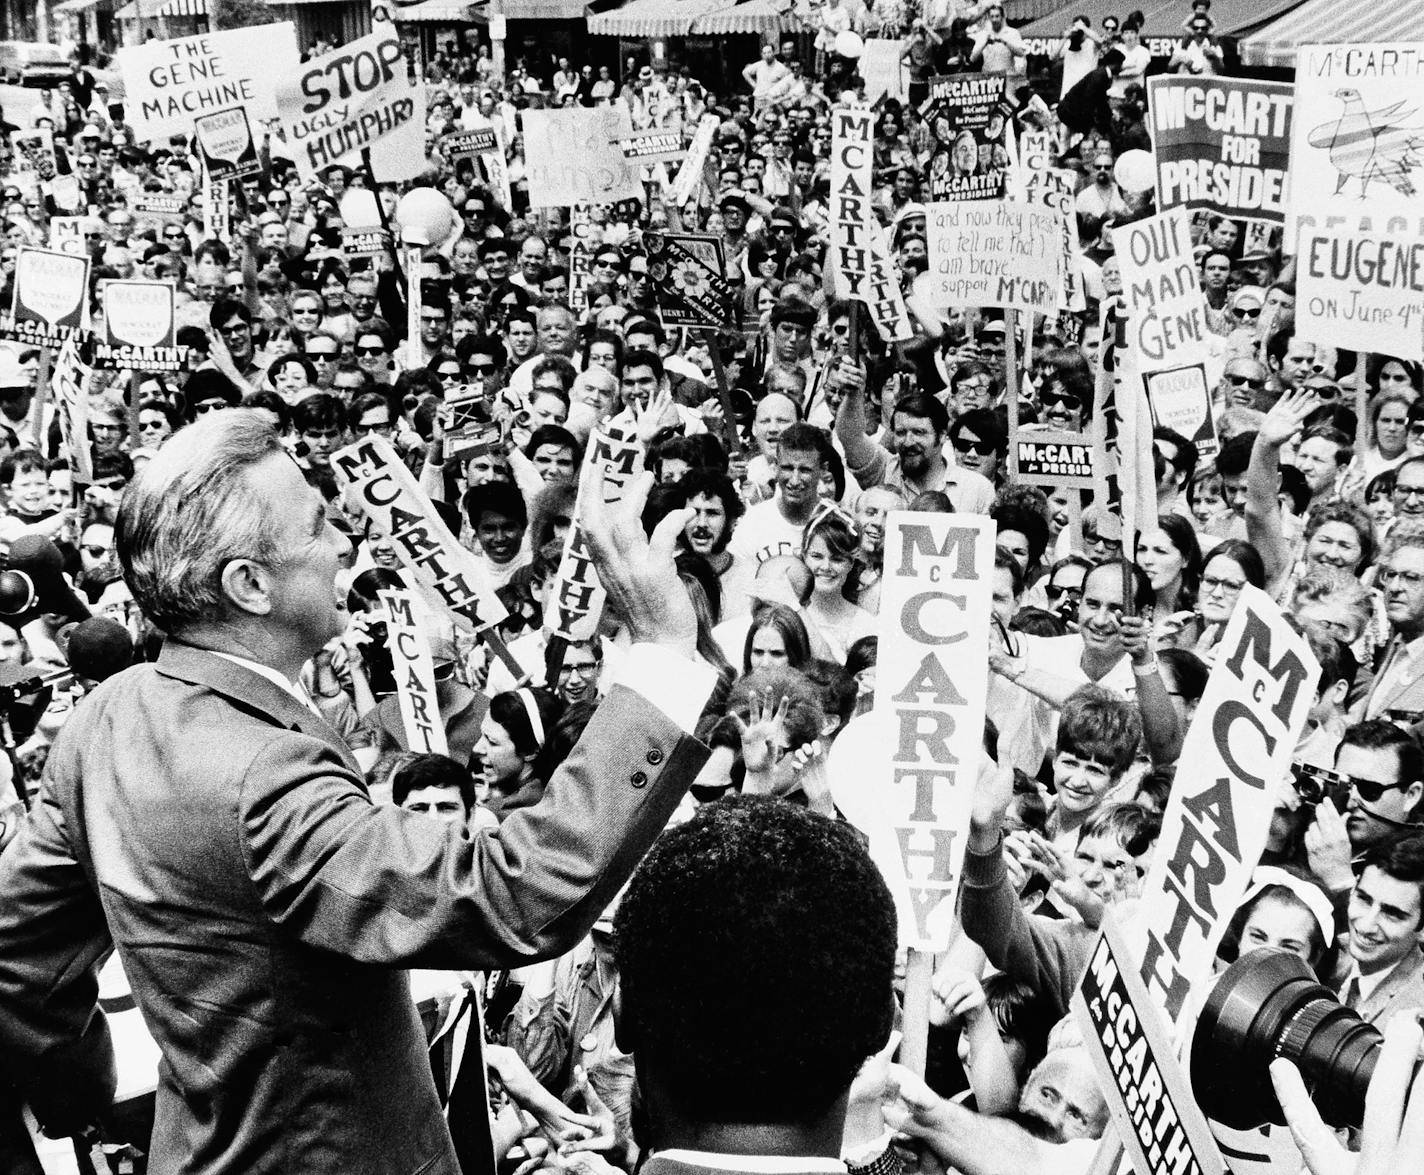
(638,574)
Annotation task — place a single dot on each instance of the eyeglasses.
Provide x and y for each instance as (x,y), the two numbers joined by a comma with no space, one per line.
(1092,538)
(1244,381)
(1229,587)
(234,328)
(480,368)
(95,552)
(382,427)
(1067,399)
(325,356)
(1410,579)
(1370,790)
(979,448)
(107,427)
(208,406)
(583,669)
(446,373)
(1056,592)
(1403,491)
(1246,311)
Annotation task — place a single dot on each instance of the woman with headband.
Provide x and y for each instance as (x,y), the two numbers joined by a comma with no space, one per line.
(511,750)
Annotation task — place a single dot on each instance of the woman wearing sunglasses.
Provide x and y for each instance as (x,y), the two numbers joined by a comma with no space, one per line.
(981,442)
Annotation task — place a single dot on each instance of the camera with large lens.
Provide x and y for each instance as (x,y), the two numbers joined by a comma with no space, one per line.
(1269,1004)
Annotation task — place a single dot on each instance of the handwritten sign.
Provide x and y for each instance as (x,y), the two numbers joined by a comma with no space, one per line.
(138,327)
(861,262)
(168,84)
(414,672)
(225,139)
(577,598)
(995,253)
(1362,291)
(1221,143)
(1239,743)
(1357,163)
(1055,459)
(1152,1106)
(936,598)
(571,157)
(378,481)
(347,101)
(1162,292)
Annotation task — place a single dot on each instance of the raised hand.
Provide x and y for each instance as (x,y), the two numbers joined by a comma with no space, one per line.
(637,573)
(1287,416)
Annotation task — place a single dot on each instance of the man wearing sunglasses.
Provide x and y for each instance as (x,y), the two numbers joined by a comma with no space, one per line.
(1385,767)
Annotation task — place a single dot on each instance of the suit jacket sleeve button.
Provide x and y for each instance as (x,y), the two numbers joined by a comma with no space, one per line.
(655,756)
(639,779)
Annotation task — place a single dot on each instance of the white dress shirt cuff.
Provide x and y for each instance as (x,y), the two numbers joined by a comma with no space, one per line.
(676,685)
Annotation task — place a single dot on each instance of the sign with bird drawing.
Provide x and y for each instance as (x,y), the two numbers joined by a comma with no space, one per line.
(1357,142)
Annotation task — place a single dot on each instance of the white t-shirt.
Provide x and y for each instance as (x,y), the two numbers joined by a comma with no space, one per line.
(763,532)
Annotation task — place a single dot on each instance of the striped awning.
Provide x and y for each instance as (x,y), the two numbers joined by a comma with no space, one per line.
(434,12)
(1230,18)
(1328,22)
(184,8)
(545,9)
(763,17)
(652,18)
(75,6)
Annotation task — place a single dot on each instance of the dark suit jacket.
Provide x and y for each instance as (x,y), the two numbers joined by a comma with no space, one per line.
(264,909)
(1402,988)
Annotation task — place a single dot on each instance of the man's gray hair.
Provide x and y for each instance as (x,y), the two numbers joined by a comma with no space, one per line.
(190,511)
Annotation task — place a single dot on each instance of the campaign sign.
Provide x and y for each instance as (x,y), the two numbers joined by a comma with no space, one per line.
(688,175)
(1221,143)
(34,151)
(576,600)
(138,328)
(859,259)
(345,102)
(365,242)
(968,114)
(580,257)
(995,253)
(388,494)
(48,306)
(1161,288)
(1055,459)
(936,600)
(414,671)
(160,207)
(167,84)
(1157,1118)
(653,146)
(66,234)
(572,157)
(1240,743)
(465,144)
(687,272)
(1180,399)
(1357,142)
(225,139)
(1362,291)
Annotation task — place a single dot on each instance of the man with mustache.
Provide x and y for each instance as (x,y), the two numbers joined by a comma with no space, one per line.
(716,506)
(918,425)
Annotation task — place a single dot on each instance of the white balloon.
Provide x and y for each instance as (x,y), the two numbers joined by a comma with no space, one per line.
(1134,171)
(849,44)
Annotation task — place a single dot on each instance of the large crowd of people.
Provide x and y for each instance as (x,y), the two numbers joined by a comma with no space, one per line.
(208,766)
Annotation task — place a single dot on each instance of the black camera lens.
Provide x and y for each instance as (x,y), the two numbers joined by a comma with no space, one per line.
(1269,1004)
(1308,787)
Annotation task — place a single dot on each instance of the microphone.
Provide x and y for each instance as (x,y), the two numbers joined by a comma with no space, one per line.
(33,583)
(99,648)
